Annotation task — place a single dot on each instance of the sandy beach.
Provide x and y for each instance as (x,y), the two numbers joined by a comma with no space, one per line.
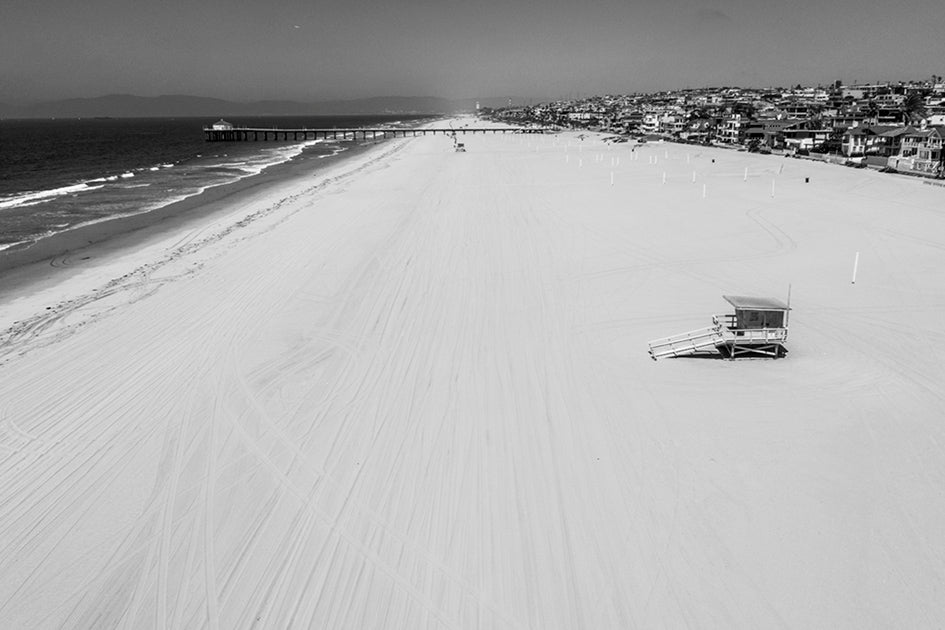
(413,391)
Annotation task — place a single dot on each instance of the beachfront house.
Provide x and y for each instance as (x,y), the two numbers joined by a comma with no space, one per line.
(770,133)
(872,140)
(732,129)
(672,124)
(921,151)
(798,139)
(651,122)
(630,121)
(700,130)
(893,139)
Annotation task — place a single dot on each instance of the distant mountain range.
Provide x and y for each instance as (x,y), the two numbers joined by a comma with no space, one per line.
(180,106)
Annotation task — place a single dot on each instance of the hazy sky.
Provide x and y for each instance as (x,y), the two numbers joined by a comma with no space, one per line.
(326,49)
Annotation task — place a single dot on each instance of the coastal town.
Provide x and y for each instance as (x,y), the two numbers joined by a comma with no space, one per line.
(894,127)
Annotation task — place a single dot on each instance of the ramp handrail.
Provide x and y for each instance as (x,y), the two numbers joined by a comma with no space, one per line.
(687,336)
(685,342)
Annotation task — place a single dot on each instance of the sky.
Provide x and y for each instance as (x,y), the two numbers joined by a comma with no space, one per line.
(312,50)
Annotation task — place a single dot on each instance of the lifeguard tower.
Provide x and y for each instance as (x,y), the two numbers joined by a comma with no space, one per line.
(757,328)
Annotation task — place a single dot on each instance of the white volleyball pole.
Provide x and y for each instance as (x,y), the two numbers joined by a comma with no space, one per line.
(856,261)
(745,177)
(611,178)
(703,191)
(664,177)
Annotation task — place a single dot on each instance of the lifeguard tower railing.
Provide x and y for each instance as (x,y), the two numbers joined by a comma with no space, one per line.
(728,322)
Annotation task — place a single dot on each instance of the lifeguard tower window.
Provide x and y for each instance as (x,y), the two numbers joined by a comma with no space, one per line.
(759,319)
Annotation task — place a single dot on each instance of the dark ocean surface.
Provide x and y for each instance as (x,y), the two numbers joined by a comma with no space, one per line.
(59,174)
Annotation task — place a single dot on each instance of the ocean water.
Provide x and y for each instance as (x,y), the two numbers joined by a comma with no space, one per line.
(60,174)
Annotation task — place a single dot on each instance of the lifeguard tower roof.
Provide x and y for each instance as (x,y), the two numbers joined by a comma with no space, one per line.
(742,302)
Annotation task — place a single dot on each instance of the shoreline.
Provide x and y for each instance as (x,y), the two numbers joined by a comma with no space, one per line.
(20,266)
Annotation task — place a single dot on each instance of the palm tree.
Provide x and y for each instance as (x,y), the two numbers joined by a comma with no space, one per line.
(697,113)
(872,112)
(913,108)
(815,117)
(745,109)
(940,171)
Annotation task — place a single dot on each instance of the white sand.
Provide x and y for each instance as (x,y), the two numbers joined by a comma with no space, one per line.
(417,395)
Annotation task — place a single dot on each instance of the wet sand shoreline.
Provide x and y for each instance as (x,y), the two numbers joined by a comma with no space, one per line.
(20,265)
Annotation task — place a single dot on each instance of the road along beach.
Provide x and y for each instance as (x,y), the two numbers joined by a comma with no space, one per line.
(414,392)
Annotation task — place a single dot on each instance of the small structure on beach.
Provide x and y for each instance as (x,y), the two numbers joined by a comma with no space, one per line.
(757,328)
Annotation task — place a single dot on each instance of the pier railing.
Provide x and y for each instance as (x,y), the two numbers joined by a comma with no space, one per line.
(250,134)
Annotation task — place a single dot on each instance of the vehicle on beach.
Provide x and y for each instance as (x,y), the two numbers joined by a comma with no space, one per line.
(460,147)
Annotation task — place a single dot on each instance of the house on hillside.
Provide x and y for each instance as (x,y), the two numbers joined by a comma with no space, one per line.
(847,120)
(795,109)
(582,119)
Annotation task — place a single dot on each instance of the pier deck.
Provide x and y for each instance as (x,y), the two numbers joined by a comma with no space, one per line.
(244,134)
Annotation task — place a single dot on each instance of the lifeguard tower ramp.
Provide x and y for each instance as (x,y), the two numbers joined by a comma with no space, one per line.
(758,328)
(687,343)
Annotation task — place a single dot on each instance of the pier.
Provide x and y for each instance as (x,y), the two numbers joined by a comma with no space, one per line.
(219,133)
